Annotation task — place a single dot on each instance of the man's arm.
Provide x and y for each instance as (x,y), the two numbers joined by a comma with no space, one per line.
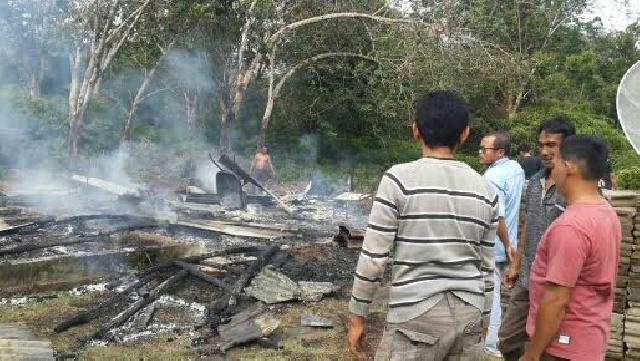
(548,319)
(503,235)
(273,171)
(511,276)
(376,248)
(566,253)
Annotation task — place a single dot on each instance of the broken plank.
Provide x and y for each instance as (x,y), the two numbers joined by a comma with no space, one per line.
(106,186)
(193,270)
(201,257)
(238,230)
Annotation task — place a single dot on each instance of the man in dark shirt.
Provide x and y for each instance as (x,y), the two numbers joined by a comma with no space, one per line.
(531,164)
(542,206)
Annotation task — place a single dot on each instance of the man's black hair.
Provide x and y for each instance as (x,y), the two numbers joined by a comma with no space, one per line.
(524,147)
(502,140)
(558,125)
(441,117)
(589,152)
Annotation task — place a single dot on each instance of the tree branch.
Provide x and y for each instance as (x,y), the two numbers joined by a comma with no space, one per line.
(314,59)
(351,15)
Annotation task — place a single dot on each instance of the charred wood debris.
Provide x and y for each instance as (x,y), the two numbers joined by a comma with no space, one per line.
(240,290)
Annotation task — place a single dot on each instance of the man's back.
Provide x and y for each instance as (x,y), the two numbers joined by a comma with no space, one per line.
(439,218)
(580,250)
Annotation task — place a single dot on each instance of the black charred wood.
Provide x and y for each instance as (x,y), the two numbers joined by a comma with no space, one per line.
(251,272)
(27,247)
(96,310)
(138,305)
(193,270)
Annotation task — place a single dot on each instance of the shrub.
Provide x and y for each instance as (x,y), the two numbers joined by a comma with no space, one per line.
(629,178)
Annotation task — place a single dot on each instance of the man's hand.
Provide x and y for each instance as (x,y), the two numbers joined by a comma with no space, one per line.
(355,335)
(511,276)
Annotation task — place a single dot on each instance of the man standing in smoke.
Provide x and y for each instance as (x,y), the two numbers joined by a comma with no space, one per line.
(261,167)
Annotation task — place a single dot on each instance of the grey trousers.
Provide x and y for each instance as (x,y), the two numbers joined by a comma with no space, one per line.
(512,334)
(451,330)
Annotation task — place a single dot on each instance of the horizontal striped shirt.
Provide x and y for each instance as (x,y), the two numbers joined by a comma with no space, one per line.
(435,220)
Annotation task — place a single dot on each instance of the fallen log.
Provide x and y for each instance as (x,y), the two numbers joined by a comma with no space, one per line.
(107,186)
(95,311)
(193,270)
(237,170)
(199,258)
(138,305)
(34,226)
(20,248)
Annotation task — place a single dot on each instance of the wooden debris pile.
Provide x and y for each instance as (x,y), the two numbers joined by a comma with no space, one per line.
(227,320)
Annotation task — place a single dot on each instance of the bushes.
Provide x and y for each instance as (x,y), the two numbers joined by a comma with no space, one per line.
(629,178)
(622,154)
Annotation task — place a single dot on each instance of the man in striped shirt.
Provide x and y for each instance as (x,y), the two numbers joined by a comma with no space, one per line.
(435,219)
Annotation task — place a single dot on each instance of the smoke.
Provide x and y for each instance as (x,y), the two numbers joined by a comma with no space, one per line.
(33,131)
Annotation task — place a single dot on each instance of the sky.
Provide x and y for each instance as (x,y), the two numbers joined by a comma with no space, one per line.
(616,15)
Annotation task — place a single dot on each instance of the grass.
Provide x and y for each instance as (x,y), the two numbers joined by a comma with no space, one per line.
(298,343)
(40,317)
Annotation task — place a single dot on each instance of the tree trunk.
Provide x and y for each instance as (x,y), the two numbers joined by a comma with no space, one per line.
(128,124)
(106,41)
(75,127)
(37,73)
(274,90)
(191,109)
(264,124)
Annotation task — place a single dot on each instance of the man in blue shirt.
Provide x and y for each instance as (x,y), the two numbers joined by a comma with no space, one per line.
(507,178)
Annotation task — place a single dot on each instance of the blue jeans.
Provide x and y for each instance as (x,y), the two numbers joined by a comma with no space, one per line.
(491,342)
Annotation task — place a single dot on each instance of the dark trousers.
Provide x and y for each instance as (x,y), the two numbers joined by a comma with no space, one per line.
(512,335)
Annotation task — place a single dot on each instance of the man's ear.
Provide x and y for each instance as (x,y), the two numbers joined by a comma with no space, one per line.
(416,132)
(572,167)
(464,135)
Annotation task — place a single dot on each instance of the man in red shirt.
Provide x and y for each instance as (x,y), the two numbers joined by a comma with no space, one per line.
(574,274)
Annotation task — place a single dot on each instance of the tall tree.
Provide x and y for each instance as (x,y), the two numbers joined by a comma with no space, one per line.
(101,30)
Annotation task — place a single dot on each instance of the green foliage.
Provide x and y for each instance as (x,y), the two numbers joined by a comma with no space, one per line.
(526,122)
(629,178)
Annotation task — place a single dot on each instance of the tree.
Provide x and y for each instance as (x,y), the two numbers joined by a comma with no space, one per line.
(101,30)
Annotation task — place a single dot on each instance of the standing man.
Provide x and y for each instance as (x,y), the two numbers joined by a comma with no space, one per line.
(261,167)
(507,178)
(542,206)
(573,278)
(531,164)
(436,218)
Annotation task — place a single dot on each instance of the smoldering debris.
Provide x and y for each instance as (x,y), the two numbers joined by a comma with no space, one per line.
(199,272)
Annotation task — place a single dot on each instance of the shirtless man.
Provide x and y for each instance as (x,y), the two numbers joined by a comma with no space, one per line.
(261,167)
